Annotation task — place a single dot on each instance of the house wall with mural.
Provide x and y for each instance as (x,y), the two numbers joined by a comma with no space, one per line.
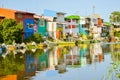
(28,27)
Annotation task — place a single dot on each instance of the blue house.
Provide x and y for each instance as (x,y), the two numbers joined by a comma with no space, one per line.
(28,27)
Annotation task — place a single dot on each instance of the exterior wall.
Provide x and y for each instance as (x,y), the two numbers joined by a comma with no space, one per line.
(51,27)
(72,27)
(28,27)
(82,30)
(60,18)
(7,13)
(21,16)
(42,29)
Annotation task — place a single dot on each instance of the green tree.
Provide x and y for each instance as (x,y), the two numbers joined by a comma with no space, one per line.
(115,16)
(10,31)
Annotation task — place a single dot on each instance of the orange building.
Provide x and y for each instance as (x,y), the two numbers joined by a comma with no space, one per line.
(15,14)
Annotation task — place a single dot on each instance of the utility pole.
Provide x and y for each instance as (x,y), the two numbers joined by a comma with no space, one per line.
(93,9)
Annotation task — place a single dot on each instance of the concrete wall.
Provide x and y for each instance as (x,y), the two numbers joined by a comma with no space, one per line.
(51,27)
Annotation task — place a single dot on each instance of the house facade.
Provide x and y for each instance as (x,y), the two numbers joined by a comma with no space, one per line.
(95,26)
(25,18)
(72,26)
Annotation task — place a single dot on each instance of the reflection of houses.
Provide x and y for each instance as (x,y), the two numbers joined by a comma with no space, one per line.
(96,53)
(43,61)
(73,58)
(10,77)
(53,58)
(84,54)
(30,66)
(26,18)
(115,53)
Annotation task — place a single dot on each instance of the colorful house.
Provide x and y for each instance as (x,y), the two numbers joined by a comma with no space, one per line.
(60,19)
(28,27)
(94,23)
(55,23)
(26,18)
(82,28)
(40,24)
(72,24)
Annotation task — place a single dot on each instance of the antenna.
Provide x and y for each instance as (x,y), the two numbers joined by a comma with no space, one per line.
(93,9)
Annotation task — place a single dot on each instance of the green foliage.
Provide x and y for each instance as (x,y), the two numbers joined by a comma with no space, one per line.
(117,34)
(10,30)
(11,64)
(50,39)
(73,17)
(38,53)
(107,24)
(115,16)
(35,37)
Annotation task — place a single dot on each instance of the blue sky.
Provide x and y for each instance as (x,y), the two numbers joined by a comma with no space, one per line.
(80,7)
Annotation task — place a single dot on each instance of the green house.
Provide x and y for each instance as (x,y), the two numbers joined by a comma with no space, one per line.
(42,26)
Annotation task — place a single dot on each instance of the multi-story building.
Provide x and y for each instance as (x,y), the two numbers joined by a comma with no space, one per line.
(55,23)
(95,24)
(72,25)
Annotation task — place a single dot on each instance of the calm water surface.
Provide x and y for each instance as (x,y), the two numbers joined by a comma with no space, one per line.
(83,62)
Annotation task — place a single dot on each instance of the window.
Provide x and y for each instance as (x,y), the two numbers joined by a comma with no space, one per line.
(42,22)
(30,25)
(19,15)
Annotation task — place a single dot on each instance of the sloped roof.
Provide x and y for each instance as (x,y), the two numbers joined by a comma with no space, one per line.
(16,11)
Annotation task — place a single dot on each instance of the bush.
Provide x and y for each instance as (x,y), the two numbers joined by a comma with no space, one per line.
(35,37)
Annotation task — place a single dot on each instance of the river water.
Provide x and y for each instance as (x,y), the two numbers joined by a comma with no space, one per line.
(98,61)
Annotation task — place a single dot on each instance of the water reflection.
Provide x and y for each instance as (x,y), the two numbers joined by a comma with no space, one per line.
(59,59)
